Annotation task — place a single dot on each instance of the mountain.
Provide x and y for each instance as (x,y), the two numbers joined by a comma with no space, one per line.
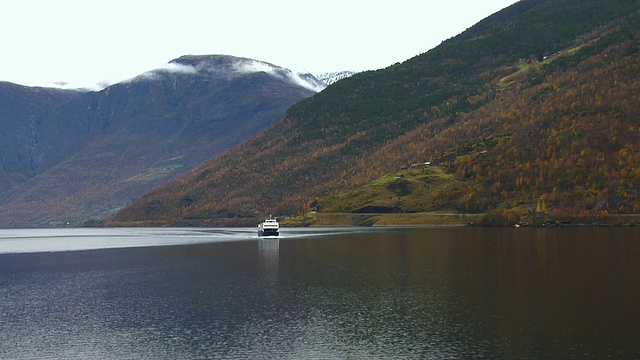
(332,77)
(91,153)
(535,104)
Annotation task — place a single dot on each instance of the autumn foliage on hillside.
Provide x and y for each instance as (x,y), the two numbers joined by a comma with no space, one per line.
(568,134)
(549,117)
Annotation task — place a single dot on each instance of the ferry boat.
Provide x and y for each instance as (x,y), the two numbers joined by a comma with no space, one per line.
(269,227)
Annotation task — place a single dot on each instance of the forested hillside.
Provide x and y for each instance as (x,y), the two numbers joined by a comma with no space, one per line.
(535,103)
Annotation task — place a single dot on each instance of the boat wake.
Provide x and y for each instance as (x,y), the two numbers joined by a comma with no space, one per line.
(15,241)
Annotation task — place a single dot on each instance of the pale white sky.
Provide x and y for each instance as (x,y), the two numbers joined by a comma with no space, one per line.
(85,42)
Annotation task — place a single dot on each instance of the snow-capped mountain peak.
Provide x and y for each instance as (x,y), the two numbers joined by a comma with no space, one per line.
(224,66)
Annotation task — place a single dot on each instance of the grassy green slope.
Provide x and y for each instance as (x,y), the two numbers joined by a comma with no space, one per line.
(417,189)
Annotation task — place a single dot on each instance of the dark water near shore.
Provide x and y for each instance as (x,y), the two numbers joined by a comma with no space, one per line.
(427,293)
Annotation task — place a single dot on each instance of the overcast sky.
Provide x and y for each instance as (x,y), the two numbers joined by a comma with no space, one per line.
(85,42)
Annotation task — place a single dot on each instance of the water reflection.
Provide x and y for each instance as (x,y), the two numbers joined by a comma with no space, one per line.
(269,256)
(269,245)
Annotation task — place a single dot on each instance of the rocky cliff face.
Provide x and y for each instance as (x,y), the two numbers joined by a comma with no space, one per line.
(19,105)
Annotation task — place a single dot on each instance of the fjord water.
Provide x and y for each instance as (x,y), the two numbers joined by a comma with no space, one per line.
(334,293)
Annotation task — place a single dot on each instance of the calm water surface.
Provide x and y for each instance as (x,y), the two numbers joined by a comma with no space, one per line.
(425,293)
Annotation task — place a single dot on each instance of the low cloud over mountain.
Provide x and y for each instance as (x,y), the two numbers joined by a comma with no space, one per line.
(232,67)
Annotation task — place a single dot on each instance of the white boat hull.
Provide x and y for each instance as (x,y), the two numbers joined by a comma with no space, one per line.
(268,232)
